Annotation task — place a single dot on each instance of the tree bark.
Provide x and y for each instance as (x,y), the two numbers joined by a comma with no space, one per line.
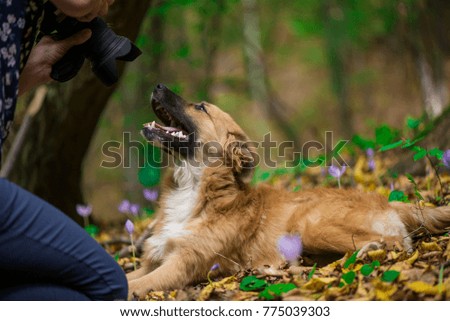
(336,50)
(50,162)
(257,75)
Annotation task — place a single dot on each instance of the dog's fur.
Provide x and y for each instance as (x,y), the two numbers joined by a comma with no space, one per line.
(210,214)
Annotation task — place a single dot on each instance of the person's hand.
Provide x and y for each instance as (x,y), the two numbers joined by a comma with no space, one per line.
(44,55)
(83,10)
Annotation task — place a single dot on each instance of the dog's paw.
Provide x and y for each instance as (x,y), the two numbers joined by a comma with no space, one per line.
(136,290)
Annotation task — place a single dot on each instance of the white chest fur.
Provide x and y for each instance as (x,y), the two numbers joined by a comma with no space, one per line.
(179,206)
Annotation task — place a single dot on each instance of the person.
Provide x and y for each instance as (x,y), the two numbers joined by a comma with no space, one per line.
(44,255)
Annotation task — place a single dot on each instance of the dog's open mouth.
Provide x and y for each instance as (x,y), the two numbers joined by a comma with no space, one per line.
(171,129)
(175,130)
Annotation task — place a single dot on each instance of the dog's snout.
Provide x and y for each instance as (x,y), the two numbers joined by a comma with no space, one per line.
(160,87)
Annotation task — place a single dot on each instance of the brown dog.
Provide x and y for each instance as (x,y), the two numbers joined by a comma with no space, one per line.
(210,214)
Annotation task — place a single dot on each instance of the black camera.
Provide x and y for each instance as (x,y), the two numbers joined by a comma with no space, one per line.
(102,49)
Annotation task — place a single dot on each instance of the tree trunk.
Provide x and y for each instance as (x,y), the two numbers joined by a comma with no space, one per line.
(427,38)
(211,25)
(257,75)
(333,18)
(49,164)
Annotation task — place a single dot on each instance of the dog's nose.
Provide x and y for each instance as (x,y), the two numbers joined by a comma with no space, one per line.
(160,87)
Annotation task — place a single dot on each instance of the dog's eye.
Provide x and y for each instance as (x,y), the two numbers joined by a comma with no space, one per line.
(201,107)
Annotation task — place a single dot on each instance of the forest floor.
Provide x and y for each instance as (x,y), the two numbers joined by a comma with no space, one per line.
(422,273)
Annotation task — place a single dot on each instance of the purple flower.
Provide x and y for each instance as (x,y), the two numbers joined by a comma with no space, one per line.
(290,246)
(446,158)
(84,210)
(129,227)
(214,267)
(336,171)
(124,207)
(370,154)
(134,209)
(371,164)
(150,194)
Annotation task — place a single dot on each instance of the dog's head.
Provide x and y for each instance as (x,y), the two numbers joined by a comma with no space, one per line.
(200,133)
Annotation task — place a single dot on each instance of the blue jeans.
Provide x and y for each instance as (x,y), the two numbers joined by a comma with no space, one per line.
(44,255)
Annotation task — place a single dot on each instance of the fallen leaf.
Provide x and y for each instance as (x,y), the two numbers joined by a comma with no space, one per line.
(430,246)
(384,291)
(422,287)
(328,269)
(377,254)
(316,284)
(413,258)
(228,283)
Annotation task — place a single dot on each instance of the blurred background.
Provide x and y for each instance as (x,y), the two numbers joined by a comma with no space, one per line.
(295,68)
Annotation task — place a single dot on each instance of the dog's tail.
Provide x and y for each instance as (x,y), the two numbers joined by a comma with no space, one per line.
(434,219)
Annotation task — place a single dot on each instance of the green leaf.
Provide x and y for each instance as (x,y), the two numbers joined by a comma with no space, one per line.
(311,273)
(183,52)
(410,143)
(252,283)
(349,277)
(363,143)
(384,135)
(273,290)
(420,154)
(436,152)
(264,176)
(391,146)
(149,212)
(351,260)
(149,176)
(376,263)
(397,196)
(411,179)
(366,269)
(412,122)
(390,276)
(92,230)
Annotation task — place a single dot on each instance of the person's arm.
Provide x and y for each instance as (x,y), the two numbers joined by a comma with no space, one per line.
(83,10)
(43,56)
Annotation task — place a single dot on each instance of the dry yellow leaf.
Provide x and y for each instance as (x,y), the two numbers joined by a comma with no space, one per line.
(155,296)
(413,258)
(228,283)
(328,269)
(395,255)
(422,287)
(377,255)
(206,292)
(430,246)
(173,295)
(316,284)
(383,191)
(365,177)
(384,290)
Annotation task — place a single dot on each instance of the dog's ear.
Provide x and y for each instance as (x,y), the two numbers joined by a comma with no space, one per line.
(241,157)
